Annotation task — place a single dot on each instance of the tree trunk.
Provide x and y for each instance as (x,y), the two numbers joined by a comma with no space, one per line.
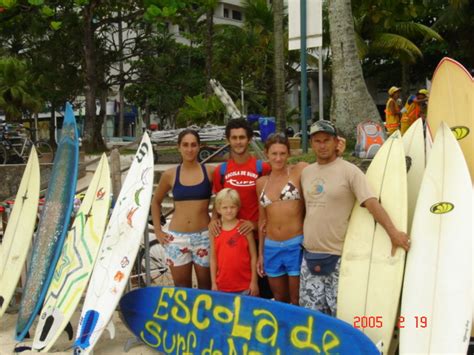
(405,80)
(279,61)
(121,79)
(100,119)
(52,126)
(147,113)
(121,122)
(350,101)
(209,40)
(93,141)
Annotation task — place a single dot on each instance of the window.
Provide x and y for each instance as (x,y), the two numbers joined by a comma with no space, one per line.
(236,15)
(226,13)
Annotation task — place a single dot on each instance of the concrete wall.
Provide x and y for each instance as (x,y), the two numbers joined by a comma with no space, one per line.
(11,174)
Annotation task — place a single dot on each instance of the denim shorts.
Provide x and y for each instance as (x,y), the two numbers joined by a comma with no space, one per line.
(184,248)
(283,257)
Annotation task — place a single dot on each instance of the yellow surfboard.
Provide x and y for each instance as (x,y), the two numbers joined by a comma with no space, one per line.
(19,232)
(452,101)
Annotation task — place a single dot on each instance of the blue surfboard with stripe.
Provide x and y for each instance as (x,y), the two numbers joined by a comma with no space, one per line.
(53,225)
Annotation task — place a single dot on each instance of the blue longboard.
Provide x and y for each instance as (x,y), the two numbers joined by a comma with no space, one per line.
(53,225)
(181,320)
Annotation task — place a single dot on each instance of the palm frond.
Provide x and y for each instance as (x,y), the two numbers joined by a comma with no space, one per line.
(362,47)
(258,13)
(394,45)
(359,22)
(411,29)
(451,15)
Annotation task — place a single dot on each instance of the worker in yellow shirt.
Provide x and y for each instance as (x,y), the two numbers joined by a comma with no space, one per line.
(392,110)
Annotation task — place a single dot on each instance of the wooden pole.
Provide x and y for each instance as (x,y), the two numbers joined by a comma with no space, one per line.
(116,173)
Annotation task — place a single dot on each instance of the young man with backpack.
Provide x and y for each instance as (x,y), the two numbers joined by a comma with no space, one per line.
(240,173)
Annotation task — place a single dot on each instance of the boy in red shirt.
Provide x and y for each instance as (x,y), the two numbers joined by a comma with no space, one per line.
(241,173)
(233,255)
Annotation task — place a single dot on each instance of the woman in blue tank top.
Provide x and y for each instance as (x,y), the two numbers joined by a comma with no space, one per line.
(187,242)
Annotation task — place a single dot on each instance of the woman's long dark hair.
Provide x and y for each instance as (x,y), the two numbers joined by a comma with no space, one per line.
(186,132)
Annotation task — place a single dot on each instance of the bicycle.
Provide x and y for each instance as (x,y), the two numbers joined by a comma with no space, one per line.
(159,270)
(15,144)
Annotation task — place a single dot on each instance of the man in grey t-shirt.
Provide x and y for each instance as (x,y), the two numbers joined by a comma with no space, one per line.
(330,188)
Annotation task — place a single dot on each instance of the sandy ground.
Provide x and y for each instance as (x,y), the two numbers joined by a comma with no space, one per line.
(105,345)
(63,345)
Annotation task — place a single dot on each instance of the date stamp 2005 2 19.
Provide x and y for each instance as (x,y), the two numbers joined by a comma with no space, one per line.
(362,322)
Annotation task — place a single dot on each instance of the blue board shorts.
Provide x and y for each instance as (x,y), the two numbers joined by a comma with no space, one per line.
(283,257)
(184,248)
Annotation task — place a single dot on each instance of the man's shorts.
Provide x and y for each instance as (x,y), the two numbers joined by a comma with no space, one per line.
(283,257)
(184,248)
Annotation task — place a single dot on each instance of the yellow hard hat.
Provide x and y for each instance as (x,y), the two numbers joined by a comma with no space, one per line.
(423,92)
(393,90)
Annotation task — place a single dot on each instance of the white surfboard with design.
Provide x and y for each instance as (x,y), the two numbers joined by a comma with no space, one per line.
(118,250)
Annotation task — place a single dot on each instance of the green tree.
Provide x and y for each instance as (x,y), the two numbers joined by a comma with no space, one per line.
(453,19)
(209,6)
(18,94)
(390,30)
(200,110)
(247,52)
(165,76)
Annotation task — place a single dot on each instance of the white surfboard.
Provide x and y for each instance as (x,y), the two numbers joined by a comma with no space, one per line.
(118,250)
(76,261)
(413,142)
(19,231)
(370,278)
(472,262)
(428,144)
(437,292)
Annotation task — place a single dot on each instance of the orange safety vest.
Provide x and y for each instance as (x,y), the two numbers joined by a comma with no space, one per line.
(413,112)
(392,121)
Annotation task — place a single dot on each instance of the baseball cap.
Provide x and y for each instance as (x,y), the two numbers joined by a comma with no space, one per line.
(323,126)
(393,90)
(423,92)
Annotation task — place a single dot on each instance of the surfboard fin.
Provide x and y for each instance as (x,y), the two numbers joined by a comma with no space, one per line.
(379,346)
(69,330)
(408,162)
(21,348)
(131,343)
(111,329)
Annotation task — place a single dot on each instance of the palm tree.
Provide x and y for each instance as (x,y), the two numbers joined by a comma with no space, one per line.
(455,23)
(17,89)
(350,99)
(279,65)
(387,29)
